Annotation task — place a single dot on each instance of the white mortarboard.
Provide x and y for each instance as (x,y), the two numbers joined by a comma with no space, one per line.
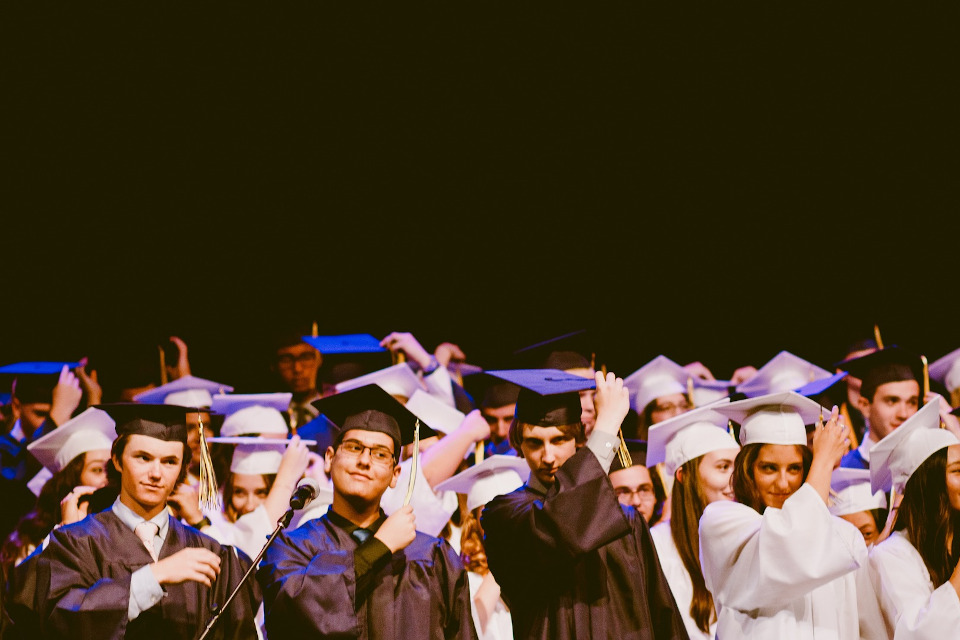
(775,418)
(659,377)
(687,436)
(230,403)
(398,380)
(946,370)
(495,476)
(261,456)
(254,419)
(92,430)
(784,372)
(188,391)
(894,459)
(852,493)
(709,391)
(438,414)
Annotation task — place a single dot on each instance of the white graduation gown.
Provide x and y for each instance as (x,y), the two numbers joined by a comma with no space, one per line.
(912,608)
(678,578)
(500,625)
(785,574)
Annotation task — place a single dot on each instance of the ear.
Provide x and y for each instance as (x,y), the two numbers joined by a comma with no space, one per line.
(863,404)
(328,460)
(116,462)
(15,407)
(395,477)
(678,474)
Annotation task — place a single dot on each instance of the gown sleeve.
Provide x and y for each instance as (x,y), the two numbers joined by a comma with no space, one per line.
(751,561)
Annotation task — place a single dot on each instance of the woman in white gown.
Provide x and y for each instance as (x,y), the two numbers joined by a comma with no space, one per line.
(778,564)
(698,452)
(915,570)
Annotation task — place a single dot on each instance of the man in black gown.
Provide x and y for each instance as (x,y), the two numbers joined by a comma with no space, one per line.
(133,570)
(570,560)
(355,573)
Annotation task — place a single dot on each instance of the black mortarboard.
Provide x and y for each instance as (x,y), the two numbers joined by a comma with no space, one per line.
(547,397)
(490,392)
(638,454)
(891,364)
(34,381)
(572,350)
(161,421)
(370,408)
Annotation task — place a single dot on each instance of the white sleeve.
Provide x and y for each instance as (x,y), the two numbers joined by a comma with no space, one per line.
(251,530)
(440,386)
(751,561)
(432,510)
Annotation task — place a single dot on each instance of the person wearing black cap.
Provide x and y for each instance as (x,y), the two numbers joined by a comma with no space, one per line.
(572,562)
(354,572)
(133,570)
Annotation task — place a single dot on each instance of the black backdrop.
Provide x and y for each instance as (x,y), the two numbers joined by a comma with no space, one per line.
(708,183)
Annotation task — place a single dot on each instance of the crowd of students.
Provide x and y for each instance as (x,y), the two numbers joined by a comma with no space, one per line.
(549,500)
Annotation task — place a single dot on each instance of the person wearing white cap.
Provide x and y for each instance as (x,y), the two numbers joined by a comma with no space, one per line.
(495,476)
(946,371)
(658,391)
(853,500)
(915,570)
(76,454)
(698,452)
(777,563)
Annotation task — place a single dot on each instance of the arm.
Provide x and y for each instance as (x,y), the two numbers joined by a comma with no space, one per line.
(830,442)
(440,461)
(292,467)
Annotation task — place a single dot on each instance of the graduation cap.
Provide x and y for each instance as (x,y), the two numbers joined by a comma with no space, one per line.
(495,476)
(348,343)
(776,418)
(230,403)
(320,430)
(894,459)
(34,381)
(254,455)
(572,352)
(434,412)
(852,492)
(659,377)
(689,435)
(819,387)
(45,368)
(946,370)
(892,364)
(547,397)
(255,419)
(398,380)
(371,408)
(92,430)
(784,372)
(490,392)
(187,391)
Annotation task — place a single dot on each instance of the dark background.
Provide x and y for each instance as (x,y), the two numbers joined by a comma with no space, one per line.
(714,183)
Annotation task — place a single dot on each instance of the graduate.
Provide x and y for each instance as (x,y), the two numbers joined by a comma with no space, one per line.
(133,570)
(777,563)
(638,486)
(354,572)
(915,570)
(572,562)
(698,452)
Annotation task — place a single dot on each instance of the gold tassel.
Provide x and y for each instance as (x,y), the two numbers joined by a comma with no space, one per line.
(623,453)
(876,336)
(693,405)
(208,490)
(315,330)
(163,365)
(926,378)
(414,464)
(478,454)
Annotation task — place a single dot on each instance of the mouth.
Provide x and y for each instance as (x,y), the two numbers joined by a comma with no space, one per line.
(360,476)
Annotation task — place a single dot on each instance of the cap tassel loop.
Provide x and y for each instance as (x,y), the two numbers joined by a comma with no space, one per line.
(208,490)
(690,393)
(415,464)
(623,453)
(926,379)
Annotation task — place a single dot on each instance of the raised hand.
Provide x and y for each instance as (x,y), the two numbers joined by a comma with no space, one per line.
(406,343)
(70,508)
(612,402)
(398,530)
(66,397)
(193,563)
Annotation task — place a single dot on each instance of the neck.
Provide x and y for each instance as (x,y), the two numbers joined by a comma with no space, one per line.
(144,511)
(362,514)
(301,396)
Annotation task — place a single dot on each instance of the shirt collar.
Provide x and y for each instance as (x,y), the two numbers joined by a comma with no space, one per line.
(864,447)
(131,519)
(348,526)
(535,485)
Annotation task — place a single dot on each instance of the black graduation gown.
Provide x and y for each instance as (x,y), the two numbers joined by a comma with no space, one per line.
(79,586)
(309,588)
(577,564)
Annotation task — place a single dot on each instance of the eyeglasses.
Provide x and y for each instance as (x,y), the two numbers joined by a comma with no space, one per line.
(662,408)
(286,361)
(645,492)
(354,449)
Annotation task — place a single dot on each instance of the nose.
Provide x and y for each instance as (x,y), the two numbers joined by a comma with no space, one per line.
(902,411)
(783,482)
(154,469)
(364,458)
(549,455)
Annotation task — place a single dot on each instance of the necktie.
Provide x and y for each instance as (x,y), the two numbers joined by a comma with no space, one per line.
(361,535)
(147,531)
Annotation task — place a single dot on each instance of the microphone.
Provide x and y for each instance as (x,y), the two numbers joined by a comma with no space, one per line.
(307,490)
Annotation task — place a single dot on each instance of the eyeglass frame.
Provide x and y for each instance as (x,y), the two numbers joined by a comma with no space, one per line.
(393,456)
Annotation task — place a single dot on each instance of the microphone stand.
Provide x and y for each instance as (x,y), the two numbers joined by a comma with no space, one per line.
(282,523)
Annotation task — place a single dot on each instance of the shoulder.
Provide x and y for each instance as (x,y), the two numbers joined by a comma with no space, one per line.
(424,546)
(896,545)
(94,525)
(505,504)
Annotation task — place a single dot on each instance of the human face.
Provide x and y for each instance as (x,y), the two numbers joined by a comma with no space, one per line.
(360,478)
(634,488)
(778,473)
(863,521)
(32,415)
(193,437)
(546,449)
(149,468)
(249,492)
(853,384)
(666,407)
(499,419)
(715,470)
(892,404)
(297,366)
(953,476)
(94,472)
(588,411)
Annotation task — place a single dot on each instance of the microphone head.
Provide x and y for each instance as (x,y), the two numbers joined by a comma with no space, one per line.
(309,483)
(307,489)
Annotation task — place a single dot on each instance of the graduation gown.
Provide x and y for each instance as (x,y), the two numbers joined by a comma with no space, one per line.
(310,588)
(788,573)
(678,578)
(79,586)
(912,608)
(575,563)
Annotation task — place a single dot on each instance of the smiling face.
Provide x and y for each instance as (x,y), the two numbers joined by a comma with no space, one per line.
(149,469)
(546,449)
(362,478)
(890,407)
(249,492)
(714,471)
(953,476)
(778,473)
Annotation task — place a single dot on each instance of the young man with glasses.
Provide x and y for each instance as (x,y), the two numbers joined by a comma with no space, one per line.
(296,364)
(354,572)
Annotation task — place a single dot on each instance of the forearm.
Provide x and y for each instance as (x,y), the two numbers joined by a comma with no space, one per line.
(819,477)
(440,461)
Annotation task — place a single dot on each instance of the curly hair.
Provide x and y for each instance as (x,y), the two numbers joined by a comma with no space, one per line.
(472,552)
